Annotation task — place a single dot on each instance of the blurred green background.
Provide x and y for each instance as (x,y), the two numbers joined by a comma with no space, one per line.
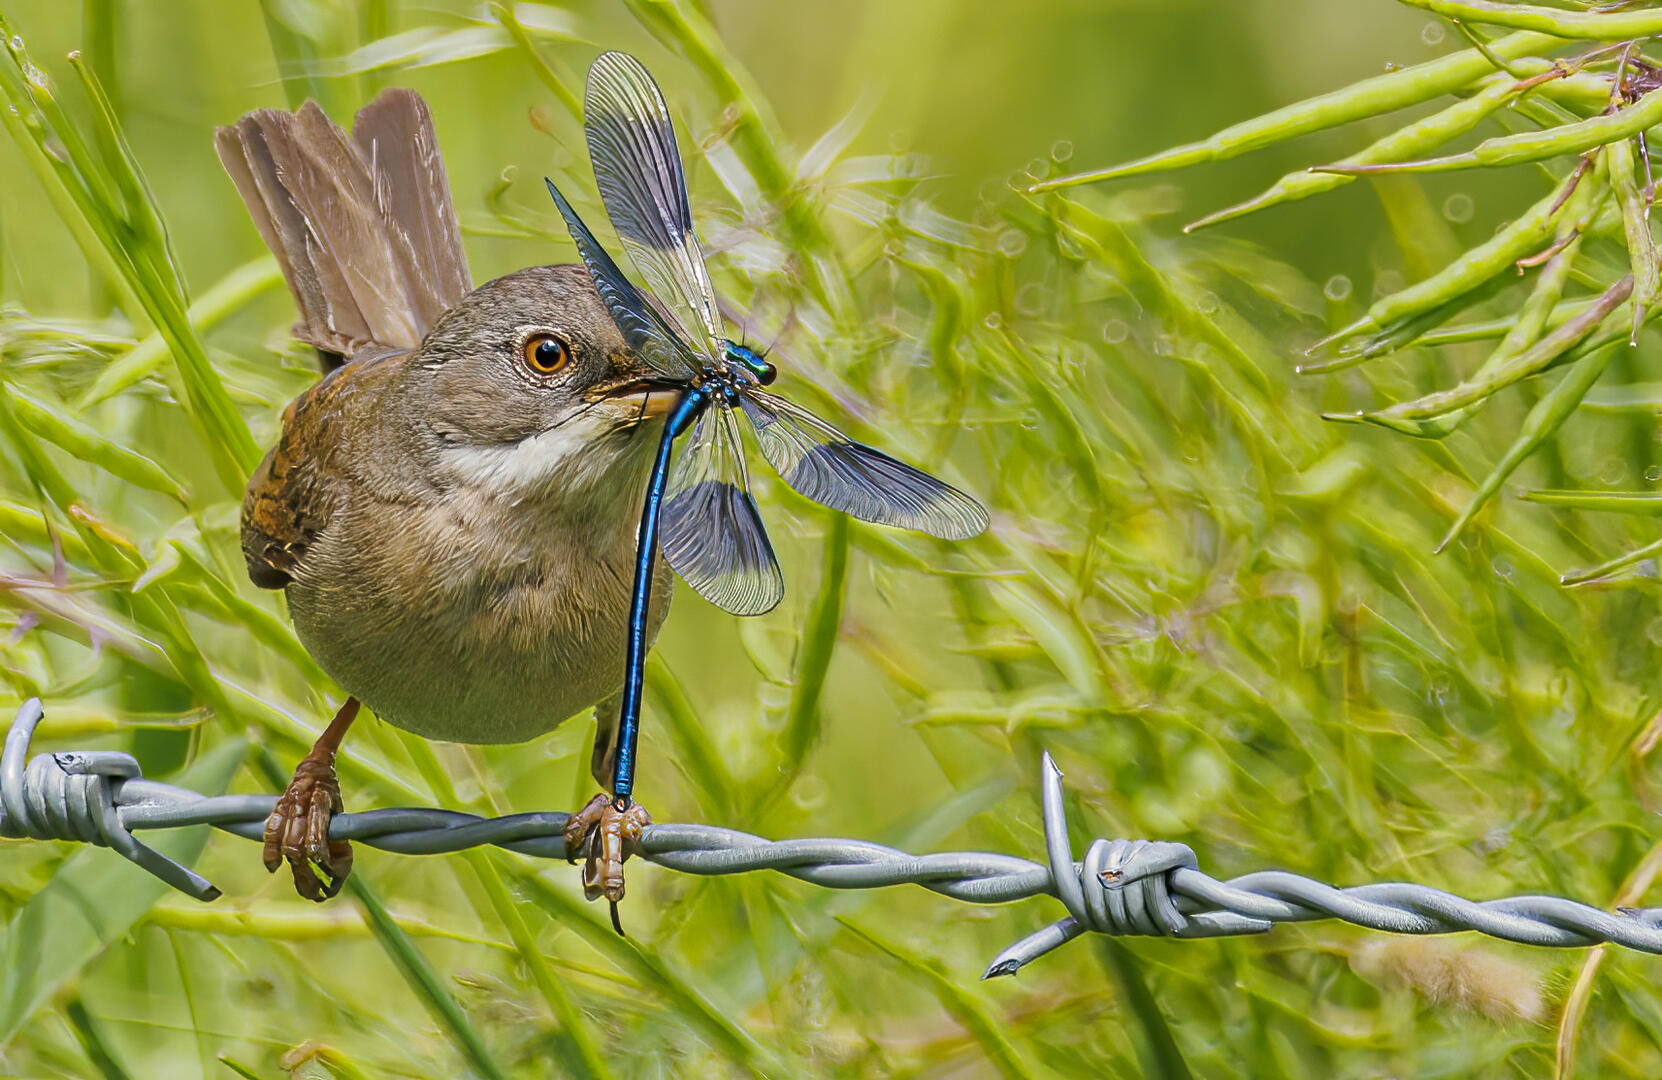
(1221,614)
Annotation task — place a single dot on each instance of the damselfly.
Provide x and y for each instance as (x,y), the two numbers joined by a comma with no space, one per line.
(711,532)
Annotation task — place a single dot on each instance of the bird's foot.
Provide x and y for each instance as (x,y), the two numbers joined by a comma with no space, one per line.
(298,831)
(604,835)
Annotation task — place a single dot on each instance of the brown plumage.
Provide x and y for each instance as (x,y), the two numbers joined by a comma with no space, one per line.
(453,525)
(363,226)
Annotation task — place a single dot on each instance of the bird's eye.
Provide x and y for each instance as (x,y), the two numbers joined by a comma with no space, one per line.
(545,354)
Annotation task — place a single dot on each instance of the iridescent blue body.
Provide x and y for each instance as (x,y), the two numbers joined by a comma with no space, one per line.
(696,396)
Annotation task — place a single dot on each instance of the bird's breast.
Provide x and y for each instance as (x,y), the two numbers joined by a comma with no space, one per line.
(474,618)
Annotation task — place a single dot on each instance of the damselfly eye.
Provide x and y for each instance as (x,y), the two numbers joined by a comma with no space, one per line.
(545,353)
(767,374)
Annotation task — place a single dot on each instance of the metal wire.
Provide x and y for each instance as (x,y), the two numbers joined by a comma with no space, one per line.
(1123,887)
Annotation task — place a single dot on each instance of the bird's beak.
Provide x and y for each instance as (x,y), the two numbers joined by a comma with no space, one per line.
(653,397)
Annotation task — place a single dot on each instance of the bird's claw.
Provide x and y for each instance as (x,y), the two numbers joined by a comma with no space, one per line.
(297,832)
(605,836)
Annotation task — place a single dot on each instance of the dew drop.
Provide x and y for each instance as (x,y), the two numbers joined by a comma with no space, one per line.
(1338,288)
(809,792)
(1613,471)
(1037,168)
(993,320)
(1653,473)
(1208,303)
(1502,567)
(1030,299)
(1434,33)
(1115,331)
(1458,208)
(1012,242)
(1061,150)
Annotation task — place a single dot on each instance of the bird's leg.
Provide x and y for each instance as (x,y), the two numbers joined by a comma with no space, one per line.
(603,833)
(298,829)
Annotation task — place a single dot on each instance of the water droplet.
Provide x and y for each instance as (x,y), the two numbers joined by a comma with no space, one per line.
(1337,289)
(1653,473)
(1030,420)
(1061,150)
(17,42)
(1037,168)
(1115,331)
(1164,345)
(1458,208)
(809,792)
(1613,470)
(1442,690)
(1012,242)
(1434,33)
(1502,567)
(993,320)
(1030,299)
(1208,303)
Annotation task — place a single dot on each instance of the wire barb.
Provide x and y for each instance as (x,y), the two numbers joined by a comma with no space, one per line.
(72,796)
(1121,887)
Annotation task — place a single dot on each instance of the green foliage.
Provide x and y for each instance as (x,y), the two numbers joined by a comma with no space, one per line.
(1221,613)
(1588,109)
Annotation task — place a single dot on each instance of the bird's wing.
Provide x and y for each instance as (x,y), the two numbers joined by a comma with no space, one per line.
(289,501)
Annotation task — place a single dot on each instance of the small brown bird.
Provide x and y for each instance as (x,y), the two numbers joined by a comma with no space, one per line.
(451,512)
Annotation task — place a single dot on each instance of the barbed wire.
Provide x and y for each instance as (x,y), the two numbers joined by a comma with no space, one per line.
(1120,887)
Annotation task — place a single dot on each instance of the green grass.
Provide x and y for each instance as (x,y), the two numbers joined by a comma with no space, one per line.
(1221,613)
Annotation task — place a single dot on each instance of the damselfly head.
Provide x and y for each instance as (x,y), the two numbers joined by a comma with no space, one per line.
(752,361)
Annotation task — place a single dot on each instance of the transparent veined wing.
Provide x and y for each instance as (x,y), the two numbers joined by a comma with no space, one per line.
(835,471)
(711,532)
(637,168)
(644,328)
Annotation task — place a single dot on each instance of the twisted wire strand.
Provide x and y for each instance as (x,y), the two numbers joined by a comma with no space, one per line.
(1122,887)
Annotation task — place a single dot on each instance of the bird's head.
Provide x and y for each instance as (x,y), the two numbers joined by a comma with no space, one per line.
(526,390)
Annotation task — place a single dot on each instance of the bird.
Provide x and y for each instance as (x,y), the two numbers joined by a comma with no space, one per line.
(451,510)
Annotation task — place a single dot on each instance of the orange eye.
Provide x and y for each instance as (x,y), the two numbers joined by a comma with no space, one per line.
(545,354)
